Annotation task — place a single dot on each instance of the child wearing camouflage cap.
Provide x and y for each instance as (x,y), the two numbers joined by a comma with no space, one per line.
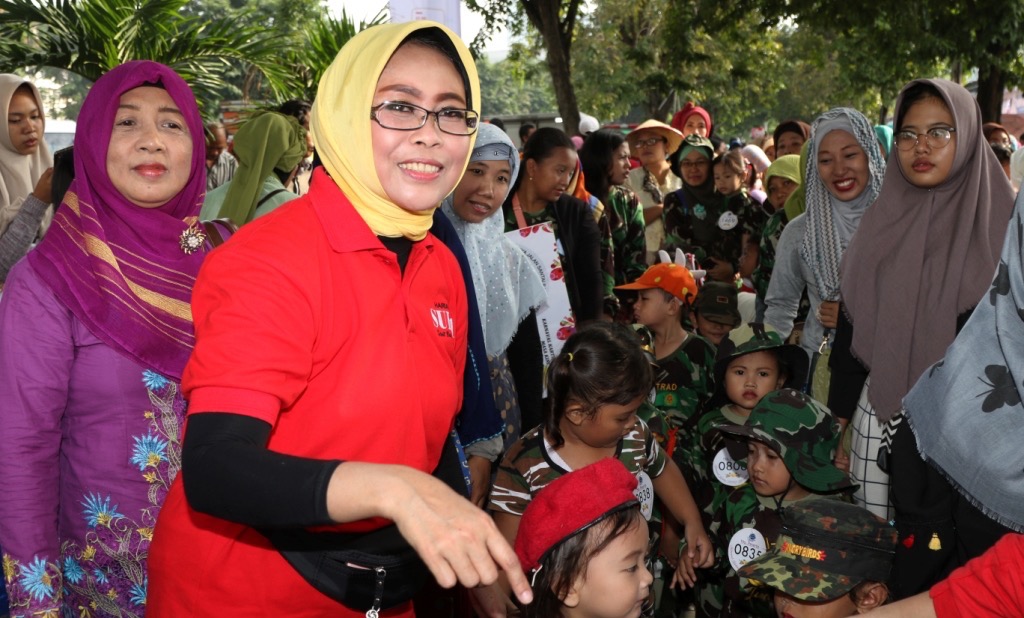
(791,441)
(759,365)
(831,559)
(716,312)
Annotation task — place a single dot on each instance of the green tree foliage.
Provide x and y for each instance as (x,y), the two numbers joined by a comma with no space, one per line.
(89,37)
(321,40)
(555,23)
(620,68)
(519,84)
(887,43)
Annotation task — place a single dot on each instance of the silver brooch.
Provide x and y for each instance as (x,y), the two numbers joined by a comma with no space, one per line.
(192,239)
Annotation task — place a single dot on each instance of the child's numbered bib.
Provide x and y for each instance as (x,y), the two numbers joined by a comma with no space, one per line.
(644,493)
(729,472)
(728,220)
(744,546)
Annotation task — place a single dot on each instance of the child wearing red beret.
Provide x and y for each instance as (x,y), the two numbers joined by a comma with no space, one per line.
(584,551)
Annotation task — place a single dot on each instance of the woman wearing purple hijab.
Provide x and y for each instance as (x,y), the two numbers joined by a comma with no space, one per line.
(96,330)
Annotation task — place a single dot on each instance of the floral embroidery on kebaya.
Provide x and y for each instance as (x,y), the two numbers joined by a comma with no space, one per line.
(106,574)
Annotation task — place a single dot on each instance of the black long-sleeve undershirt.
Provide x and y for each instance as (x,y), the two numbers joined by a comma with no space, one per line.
(229,472)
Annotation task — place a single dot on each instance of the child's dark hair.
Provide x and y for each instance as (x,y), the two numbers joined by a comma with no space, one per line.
(1002,152)
(917,92)
(298,109)
(602,363)
(567,561)
(733,160)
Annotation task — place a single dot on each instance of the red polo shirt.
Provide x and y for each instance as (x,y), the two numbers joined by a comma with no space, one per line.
(304,320)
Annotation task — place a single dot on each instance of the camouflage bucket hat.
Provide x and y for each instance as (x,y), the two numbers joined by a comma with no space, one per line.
(756,337)
(804,434)
(825,549)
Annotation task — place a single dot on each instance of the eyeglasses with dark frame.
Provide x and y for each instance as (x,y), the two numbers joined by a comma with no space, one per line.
(400,116)
(936,137)
(650,141)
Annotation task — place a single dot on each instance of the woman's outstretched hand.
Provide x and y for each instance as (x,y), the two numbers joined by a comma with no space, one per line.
(457,540)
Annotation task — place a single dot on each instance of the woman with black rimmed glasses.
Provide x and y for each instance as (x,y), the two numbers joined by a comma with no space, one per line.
(922,260)
(328,370)
(652,143)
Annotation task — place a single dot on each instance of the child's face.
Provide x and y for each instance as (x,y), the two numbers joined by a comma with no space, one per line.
(750,377)
(727,181)
(768,473)
(605,427)
(712,331)
(789,607)
(653,308)
(779,190)
(927,165)
(616,582)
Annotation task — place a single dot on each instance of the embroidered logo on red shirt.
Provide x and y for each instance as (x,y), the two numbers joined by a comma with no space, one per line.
(442,320)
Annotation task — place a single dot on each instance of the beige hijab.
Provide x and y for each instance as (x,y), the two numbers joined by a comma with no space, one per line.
(19,172)
(921,257)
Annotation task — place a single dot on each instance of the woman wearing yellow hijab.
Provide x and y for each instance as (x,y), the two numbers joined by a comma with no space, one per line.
(317,474)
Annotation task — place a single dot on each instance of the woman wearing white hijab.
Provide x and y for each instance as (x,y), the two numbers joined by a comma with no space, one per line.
(507,284)
(25,170)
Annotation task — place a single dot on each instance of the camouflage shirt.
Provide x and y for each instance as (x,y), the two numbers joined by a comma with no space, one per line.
(747,525)
(762,274)
(704,460)
(626,219)
(712,230)
(766,254)
(684,380)
(531,463)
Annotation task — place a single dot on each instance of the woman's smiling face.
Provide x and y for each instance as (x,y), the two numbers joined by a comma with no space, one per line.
(417,169)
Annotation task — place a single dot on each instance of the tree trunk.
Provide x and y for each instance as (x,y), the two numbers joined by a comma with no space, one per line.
(565,94)
(991,84)
(545,16)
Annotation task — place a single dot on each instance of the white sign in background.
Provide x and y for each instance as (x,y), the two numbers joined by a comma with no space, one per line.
(444,11)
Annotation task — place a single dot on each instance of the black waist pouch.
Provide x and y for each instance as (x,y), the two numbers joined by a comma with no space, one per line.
(370,571)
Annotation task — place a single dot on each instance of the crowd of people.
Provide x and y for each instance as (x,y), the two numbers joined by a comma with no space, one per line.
(313,373)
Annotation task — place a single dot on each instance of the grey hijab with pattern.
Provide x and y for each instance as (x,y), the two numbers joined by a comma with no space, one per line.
(966,409)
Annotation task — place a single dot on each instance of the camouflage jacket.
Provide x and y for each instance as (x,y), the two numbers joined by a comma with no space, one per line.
(626,220)
(684,380)
(711,230)
(531,463)
(766,254)
(747,525)
(698,456)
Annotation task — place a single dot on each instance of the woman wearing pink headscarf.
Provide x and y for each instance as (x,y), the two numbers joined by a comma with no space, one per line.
(96,331)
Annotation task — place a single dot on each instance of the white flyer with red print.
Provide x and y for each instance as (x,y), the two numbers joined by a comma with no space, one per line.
(554,317)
